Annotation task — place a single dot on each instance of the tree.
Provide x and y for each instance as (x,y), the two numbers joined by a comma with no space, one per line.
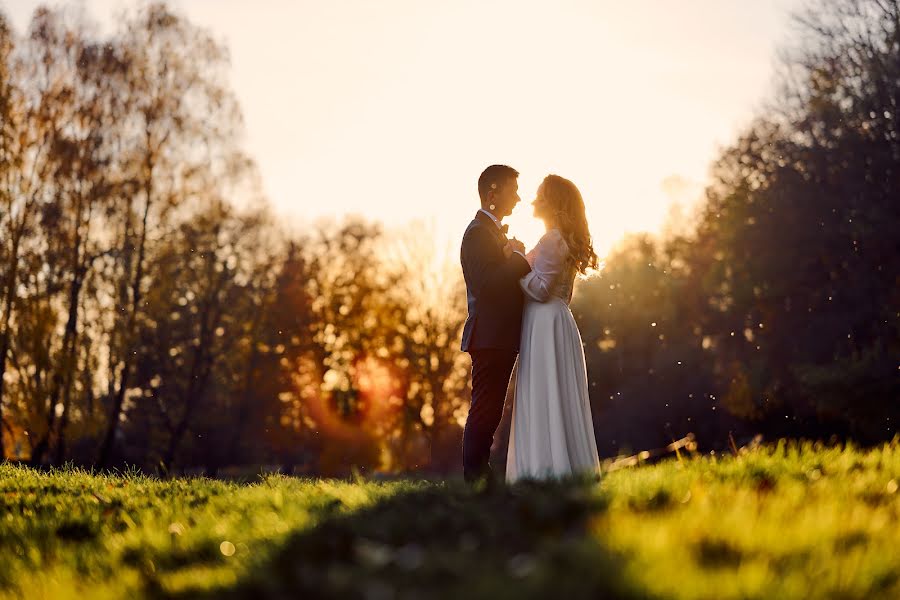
(434,373)
(9,255)
(27,123)
(801,222)
(180,117)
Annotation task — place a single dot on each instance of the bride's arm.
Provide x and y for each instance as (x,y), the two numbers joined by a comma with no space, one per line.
(547,261)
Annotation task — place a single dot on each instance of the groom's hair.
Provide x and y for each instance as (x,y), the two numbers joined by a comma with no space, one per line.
(494,174)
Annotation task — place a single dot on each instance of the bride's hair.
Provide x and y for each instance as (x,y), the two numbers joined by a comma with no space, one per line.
(567,205)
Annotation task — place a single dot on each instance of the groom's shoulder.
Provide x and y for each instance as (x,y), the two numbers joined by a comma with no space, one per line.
(476,231)
(475,225)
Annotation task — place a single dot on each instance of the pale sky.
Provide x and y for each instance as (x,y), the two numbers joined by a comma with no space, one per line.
(391,108)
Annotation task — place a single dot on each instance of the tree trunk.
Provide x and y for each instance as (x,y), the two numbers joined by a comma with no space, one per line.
(244,404)
(196,386)
(70,339)
(9,292)
(44,444)
(200,366)
(199,374)
(119,399)
(4,350)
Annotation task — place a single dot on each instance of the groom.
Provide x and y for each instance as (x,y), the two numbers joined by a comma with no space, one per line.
(492,266)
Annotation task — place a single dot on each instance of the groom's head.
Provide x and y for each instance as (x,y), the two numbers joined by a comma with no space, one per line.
(498,188)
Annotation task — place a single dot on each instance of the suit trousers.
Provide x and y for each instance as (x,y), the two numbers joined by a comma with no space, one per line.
(491,370)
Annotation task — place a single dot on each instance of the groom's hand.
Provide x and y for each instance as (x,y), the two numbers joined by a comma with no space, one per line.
(515,245)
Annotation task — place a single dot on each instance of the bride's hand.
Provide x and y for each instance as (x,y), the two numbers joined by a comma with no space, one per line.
(516,246)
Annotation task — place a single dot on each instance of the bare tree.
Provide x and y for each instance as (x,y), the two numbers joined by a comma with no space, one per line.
(34,97)
(180,115)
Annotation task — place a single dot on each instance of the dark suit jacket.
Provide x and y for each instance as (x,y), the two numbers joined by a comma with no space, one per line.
(492,288)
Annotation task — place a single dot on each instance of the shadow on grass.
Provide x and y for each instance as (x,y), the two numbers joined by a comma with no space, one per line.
(531,540)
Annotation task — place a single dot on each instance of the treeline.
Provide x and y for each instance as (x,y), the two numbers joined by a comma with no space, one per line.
(154,312)
(778,311)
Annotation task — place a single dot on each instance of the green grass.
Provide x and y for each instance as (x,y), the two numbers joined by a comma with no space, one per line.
(786,521)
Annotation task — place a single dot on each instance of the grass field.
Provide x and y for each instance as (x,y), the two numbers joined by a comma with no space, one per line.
(784,521)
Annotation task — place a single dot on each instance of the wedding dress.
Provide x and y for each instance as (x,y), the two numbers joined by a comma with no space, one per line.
(552,434)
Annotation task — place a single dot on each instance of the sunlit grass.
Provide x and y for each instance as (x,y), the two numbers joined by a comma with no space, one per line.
(123,535)
(785,521)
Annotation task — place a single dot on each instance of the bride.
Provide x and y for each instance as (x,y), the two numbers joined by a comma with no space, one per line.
(552,434)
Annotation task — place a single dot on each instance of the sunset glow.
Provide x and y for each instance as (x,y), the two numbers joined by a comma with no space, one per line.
(391,109)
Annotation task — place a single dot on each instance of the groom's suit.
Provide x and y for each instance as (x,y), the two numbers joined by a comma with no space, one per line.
(491,333)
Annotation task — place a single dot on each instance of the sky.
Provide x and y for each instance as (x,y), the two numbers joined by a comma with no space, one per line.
(390,109)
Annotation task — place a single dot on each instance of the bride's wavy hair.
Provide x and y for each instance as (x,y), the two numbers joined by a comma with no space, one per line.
(565,202)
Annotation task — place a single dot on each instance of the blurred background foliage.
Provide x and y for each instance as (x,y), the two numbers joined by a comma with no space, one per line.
(155,312)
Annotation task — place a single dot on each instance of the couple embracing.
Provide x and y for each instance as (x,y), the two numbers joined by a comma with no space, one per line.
(518,306)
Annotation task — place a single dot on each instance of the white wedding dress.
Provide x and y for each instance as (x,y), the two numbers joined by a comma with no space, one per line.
(552,434)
